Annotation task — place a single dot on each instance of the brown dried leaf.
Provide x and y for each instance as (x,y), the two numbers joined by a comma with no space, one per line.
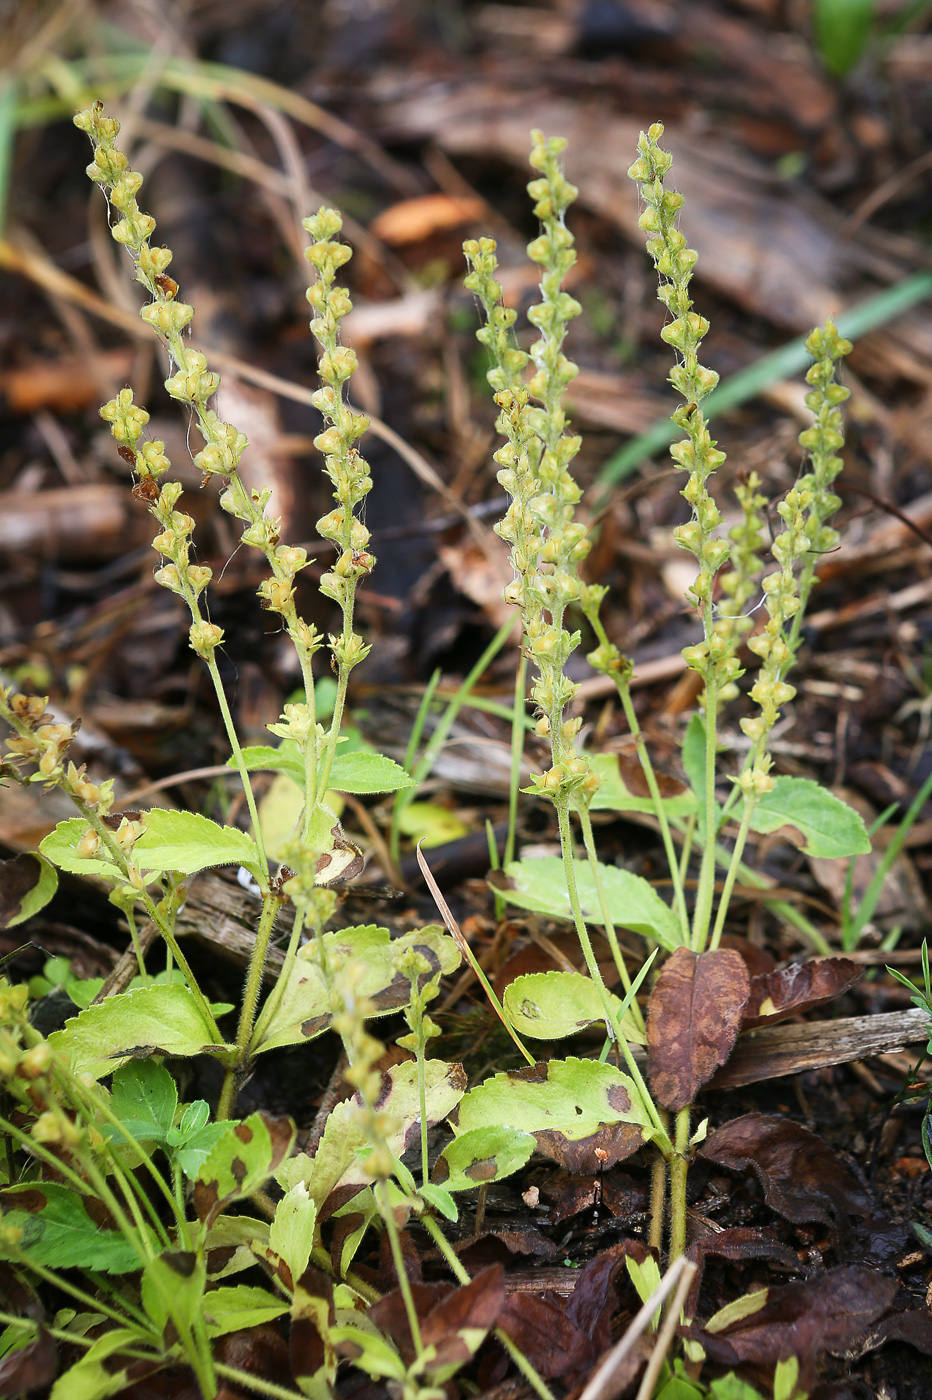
(547,1335)
(412,220)
(735,1243)
(693,1019)
(18,878)
(799,987)
(801,1177)
(831,1312)
(31,1366)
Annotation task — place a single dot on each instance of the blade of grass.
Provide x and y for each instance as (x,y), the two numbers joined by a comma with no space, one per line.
(874,890)
(770,369)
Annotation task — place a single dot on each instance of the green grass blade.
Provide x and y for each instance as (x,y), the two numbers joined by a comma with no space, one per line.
(771,369)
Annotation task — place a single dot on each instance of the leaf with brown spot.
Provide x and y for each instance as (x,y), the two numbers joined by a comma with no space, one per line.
(454,1330)
(336,1163)
(241,1162)
(693,1019)
(302,1010)
(801,1176)
(583,1114)
(796,988)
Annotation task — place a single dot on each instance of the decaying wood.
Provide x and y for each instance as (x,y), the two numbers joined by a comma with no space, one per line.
(798,1046)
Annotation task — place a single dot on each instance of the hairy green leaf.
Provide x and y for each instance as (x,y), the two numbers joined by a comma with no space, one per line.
(827,826)
(551,1005)
(60,847)
(134,1025)
(540,885)
(303,1009)
(173,1289)
(144,1097)
(188,842)
(360,771)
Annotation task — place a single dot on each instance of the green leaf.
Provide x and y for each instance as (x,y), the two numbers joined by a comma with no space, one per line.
(190,1147)
(337,1161)
(187,842)
(540,885)
(369,1351)
(694,766)
(234,1308)
(303,1010)
(359,771)
(615,795)
(827,826)
(551,1005)
(841,29)
(480,1155)
(581,1094)
(441,1200)
(60,1232)
(144,1096)
(151,1019)
(89,1378)
(265,758)
(584,1114)
(60,847)
(27,883)
(430,824)
(245,1157)
(291,1235)
(363,772)
(173,1289)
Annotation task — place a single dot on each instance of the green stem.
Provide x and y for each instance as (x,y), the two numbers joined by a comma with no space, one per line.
(51,1277)
(240,763)
(517,753)
(270,907)
(653,787)
(444,725)
(679,1169)
(585,823)
(274,998)
(456,1268)
(401,1273)
(257,1383)
(137,946)
(732,874)
(704,894)
(658,1192)
(566,845)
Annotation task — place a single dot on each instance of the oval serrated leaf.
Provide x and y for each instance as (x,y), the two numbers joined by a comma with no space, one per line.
(302,1011)
(241,1161)
(480,1155)
(361,770)
(551,1005)
(826,825)
(364,772)
(159,1018)
(60,847)
(583,1114)
(187,842)
(540,885)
